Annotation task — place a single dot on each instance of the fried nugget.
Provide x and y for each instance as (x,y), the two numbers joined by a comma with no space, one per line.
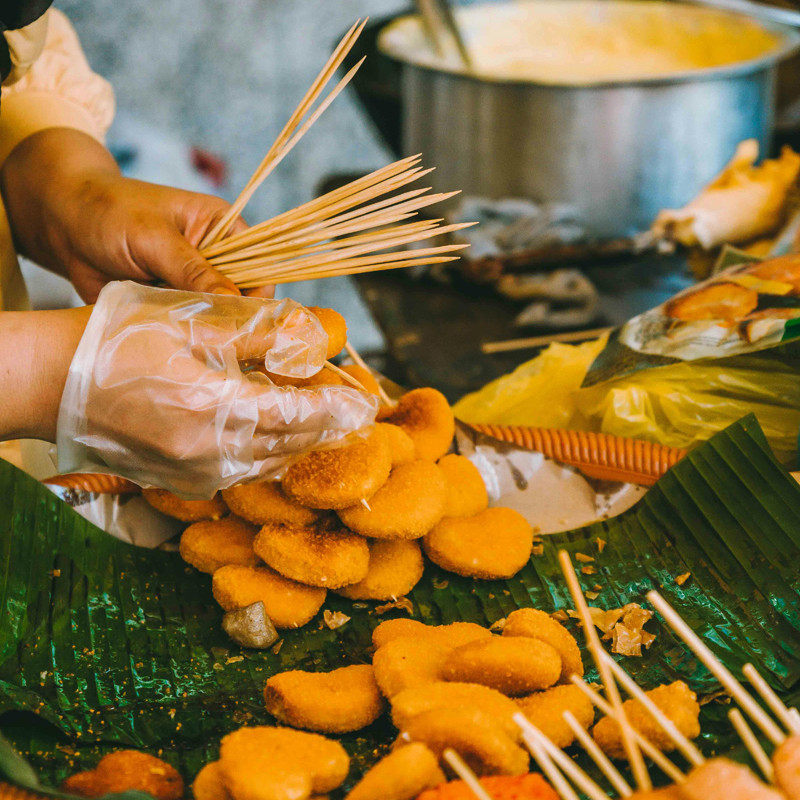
(325,554)
(408,661)
(493,544)
(716,301)
(401,775)
(426,416)
(395,567)
(676,700)
(545,710)
(343,476)
(452,635)
(185,510)
(340,701)
(211,544)
(475,736)
(539,625)
(786,762)
(335,326)
(466,491)
(514,665)
(209,784)
(288,604)
(407,506)
(418,699)
(266,502)
(126,770)
(264,763)
(400,444)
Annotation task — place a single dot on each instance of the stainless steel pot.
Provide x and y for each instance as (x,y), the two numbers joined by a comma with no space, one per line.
(619,151)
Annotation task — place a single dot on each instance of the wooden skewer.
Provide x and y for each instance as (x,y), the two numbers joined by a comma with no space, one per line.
(770,698)
(345,376)
(717,669)
(540,341)
(351,351)
(557,780)
(601,760)
(689,749)
(795,715)
(752,744)
(595,647)
(461,768)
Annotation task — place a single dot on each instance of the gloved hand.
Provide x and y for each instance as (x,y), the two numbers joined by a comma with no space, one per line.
(158,391)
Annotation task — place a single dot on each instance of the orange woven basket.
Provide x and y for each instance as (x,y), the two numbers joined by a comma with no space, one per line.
(598,455)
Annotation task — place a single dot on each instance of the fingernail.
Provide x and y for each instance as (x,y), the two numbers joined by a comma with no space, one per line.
(224,290)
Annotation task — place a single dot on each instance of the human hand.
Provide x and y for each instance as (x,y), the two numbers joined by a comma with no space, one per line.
(157,392)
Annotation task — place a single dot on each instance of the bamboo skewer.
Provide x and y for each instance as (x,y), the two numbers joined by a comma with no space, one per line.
(345,377)
(351,351)
(558,781)
(774,702)
(752,744)
(461,768)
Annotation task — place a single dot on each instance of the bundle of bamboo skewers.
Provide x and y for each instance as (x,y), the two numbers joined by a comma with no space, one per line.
(350,230)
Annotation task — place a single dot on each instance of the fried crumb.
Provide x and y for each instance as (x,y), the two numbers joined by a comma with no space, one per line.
(334,619)
(601,544)
(583,558)
(277,646)
(682,578)
(498,625)
(402,604)
(537,550)
(560,615)
(588,570)
(592,595)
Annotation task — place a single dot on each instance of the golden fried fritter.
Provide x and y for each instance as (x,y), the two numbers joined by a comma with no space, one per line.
(539,625)
(335,326)
(786,762)
(545,710)
(211,544)
(288,604)
(395,567)
(408,661)
(513,665)
(676,700)
(327,377)
(265,763)
(419,699)
(185,510)
(466,491)
(721,300)
(209,784)
(400,444)
(127,770)
(324,554)
(343,476)
(452,635)
(363,376)
(475,736)
(493,544)
(426,416)
(401,775)
(340,701)
(266,502)
(407,506)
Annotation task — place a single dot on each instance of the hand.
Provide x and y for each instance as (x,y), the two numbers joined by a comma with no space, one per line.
(157,393)
(71,211)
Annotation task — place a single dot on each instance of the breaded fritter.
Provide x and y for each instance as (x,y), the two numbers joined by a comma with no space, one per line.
(266,502)
(324,554)
(407,506)
(452,635)
(539,625)
(466,491)
(514,666)
(545,710)
(185,510)
(493,544)
(288,604)
(265,763)
(395,567)
(475,736)
(342,476)
(400,444)
(408,661)
(211,544)
(209,784)
(401,775)
(676,700)
(126,770)
(335,326)
(340,701)
(426,416)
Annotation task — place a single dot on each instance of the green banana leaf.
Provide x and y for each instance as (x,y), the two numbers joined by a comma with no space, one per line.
(105,645)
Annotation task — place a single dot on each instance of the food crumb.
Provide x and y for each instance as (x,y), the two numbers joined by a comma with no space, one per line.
(537,550)
(277,648)
(583,558)
(218,667)
(592,595)
(588,570)
(235,659)
(56,573)
(601,544)
(597,587)
(682,578)
(560,615)
(334,619)
(172,713)
(498,625)
(403,604)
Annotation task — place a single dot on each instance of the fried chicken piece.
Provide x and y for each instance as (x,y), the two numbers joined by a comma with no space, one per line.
(539,625)
(721,778)
(209,784)
(493,544)
(343,476)
(452,635)
(408,661)
(340,701)
(514,666)
(261,503)
(400,444)
(401,775)
(466,491)
(185,510)
(676,700)
(126,770)
(395,567)
(325,554)
(531,786)
(288,604)
(211,544)
(407,506)
(786,762)
(265,763)
(545,710)
(426,416)
(715,301)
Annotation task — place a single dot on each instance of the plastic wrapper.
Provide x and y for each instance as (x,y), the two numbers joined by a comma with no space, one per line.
(160,391)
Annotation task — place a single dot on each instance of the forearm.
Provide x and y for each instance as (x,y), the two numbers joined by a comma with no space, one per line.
(36,349)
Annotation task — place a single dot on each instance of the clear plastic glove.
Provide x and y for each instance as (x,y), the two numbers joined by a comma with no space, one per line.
(158,390)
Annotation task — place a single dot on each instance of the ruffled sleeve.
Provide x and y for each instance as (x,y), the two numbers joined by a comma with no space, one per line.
(51,85)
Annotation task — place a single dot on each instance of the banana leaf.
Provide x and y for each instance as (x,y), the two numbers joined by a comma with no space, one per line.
(105,645)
